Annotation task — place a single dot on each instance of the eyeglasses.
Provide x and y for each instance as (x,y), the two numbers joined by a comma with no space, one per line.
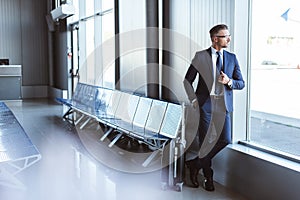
(223,36)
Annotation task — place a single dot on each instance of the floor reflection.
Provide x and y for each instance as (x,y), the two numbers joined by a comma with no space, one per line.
(68,171)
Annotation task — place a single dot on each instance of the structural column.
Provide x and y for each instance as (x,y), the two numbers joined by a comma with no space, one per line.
(152,53)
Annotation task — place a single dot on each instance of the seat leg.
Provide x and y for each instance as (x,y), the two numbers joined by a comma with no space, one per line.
(115,140)
(106,134)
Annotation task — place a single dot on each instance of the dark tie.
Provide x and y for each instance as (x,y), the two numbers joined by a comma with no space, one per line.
(218,86)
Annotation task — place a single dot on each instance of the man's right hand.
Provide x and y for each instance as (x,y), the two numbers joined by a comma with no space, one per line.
(195,103)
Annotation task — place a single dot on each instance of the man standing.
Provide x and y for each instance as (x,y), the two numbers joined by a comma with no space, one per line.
(219,74)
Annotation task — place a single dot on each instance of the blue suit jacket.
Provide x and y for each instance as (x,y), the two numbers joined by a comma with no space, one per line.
(203,66)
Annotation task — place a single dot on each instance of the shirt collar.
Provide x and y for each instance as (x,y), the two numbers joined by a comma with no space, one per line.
(214,51)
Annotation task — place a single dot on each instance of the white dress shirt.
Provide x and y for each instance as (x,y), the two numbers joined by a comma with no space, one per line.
(214,57)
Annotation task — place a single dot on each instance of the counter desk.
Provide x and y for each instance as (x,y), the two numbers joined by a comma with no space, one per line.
(10,82)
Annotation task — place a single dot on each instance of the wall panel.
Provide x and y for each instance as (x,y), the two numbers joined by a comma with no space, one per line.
(34,42)
(24,40)
(10,31)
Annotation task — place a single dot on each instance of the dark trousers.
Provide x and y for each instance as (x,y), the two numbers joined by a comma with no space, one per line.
(214,132)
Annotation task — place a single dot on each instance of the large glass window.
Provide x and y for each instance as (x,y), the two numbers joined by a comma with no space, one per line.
(275,76)
(95,21)
(108,30)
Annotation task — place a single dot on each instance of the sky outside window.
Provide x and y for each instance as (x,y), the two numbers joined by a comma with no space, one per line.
(275,75)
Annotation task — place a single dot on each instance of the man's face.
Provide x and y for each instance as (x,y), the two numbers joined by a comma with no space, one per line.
(222,39)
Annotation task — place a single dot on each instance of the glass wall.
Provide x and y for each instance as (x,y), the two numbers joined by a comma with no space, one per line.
(108,46)
(95,20)
(132,35)
(275,76)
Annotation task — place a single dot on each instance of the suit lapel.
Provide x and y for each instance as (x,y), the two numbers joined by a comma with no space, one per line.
(208,75)
(209,62)
(225,62)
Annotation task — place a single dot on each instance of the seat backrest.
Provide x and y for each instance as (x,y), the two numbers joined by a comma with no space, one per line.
(102,98)
(172,121)
(113,103)
(90,96)
(77,93)
(84,93)
(98,97)
(142,112)
(156,115)
(127,107)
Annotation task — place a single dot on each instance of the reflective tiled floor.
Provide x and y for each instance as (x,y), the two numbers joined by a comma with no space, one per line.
(68,171)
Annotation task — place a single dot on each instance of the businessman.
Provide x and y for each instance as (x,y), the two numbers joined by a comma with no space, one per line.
(219,74)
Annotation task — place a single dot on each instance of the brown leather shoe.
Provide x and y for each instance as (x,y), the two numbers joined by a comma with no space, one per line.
(208,184)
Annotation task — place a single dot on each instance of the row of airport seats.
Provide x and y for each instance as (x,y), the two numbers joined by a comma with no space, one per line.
(17,152)
(157,124)
(148,120)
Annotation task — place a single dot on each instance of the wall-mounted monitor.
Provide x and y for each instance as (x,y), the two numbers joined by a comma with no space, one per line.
(4,61)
